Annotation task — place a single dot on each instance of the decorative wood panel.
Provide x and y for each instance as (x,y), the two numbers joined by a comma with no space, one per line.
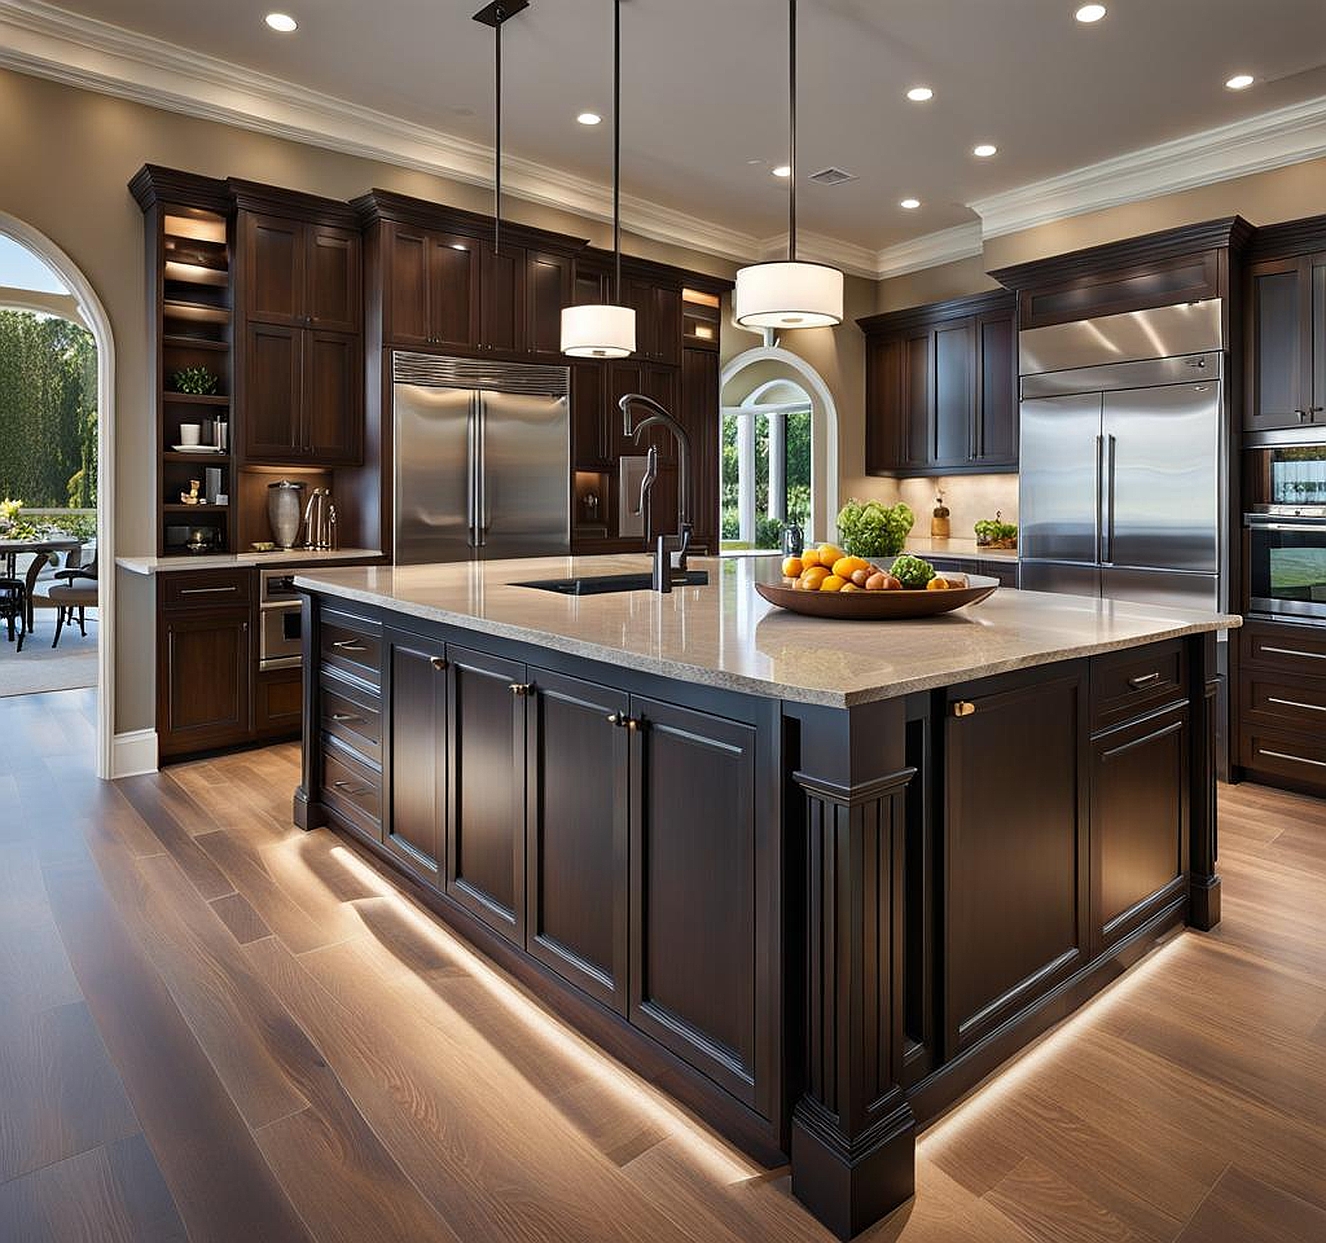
(417,695)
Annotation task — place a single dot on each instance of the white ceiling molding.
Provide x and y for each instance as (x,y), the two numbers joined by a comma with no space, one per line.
(1252,145)
(947,246)
(817,248)
(53,43)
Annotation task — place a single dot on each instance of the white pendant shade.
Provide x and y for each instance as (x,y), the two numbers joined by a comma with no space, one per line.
(598,331)
(789,295)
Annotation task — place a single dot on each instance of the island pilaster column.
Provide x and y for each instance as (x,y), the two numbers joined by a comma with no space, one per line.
(853,1131)
(1204,881)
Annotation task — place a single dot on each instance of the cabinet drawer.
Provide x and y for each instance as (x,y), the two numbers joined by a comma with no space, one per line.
(1274,701)
(351,788)
(206,589)
(1293,650)
(351,645)
(1290,756)
(352,717)
(1127,684)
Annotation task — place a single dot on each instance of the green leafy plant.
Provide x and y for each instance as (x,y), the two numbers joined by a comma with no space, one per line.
(992,531)
(10,510)
(912,572)
(197,381)
(869,529)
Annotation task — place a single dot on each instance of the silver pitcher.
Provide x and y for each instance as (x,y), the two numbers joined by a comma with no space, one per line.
(284,506)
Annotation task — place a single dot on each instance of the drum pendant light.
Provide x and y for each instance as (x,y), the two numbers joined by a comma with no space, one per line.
(791,294)
(606,331)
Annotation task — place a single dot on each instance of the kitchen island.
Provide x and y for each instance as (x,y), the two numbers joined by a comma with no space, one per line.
(816,878)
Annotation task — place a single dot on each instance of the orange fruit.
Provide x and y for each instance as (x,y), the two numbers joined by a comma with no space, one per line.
(832,582)
(811,579)
(845,567)
(810,557)
(829,553)
(937,584)
(792,567)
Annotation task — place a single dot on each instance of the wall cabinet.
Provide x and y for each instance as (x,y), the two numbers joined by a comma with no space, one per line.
(941,388)
(1286,355)
(301,273)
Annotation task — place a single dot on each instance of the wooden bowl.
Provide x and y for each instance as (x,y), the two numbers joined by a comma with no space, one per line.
(878,605)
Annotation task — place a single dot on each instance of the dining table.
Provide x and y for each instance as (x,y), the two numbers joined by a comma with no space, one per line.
(41,546)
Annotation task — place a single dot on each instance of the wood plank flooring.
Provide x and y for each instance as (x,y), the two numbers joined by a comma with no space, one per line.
(215,1027)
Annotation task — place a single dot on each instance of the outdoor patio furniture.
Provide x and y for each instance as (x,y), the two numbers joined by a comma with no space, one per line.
(12,549)
(14,608)
(80,594)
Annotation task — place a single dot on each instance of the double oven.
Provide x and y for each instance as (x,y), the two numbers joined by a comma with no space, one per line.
(1285,534)
(280,636)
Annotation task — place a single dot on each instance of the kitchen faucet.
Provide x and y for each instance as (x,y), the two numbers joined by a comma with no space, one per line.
(666,545)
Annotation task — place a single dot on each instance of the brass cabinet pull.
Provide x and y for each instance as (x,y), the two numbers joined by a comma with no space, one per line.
(438,662)
(1144,680)
(521,689)
(349,645)
(964,708)
(346,788)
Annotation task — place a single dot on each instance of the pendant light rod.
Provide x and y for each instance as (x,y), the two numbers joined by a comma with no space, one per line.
(792,130)
(617,150)
(497,15)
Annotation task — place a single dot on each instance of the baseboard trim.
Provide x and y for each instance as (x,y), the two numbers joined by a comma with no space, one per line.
(134,753)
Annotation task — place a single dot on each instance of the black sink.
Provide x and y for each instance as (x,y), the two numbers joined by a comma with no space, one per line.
(607,583)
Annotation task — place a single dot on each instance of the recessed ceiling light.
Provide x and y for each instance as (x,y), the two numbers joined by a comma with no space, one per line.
(919,94)
(783,170)
(910,204)
(1089,13)
(282,22)
(984,150)
(1240,82)
(589,118)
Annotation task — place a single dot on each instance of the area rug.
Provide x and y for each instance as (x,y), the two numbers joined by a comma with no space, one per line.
(38,667)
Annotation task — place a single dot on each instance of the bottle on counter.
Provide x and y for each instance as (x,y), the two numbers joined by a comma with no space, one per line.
(939,520)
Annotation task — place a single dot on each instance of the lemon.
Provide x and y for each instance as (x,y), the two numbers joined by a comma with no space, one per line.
(792,567)
(809,558)
(832,582)
(829,553)
(811,578)
(845,567)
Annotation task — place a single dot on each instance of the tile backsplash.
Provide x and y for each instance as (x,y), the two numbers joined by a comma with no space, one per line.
(969,498)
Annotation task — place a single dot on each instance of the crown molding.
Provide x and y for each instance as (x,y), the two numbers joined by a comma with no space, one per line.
(962,241)
(1253,145)
(49,42)
(817,248)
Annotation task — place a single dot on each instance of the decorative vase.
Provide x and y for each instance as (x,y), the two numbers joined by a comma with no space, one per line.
(285,507)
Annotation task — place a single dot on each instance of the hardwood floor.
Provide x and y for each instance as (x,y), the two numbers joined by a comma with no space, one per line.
(213,1026)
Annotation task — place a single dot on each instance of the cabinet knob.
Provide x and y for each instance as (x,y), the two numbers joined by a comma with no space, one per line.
(438,663)
(617,718)
(964,708)
(521,689)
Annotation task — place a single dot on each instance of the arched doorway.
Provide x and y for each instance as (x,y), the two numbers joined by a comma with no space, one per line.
(81,304)
(772,402)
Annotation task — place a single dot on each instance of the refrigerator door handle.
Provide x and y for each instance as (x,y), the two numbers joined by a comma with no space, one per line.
(1100,473)
(484,519)
(1111,457)
(471,472)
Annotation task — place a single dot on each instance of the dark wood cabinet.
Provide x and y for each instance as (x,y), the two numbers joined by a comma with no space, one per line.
(271,387)
(1139,822)
(278,703)
(1286,356)
(204,661)
(941,388)
(432,288)
(1282,704)
(548,288)
(701,416)
(591,438)
(698,865)
(300,273)
(576,827)
(502,299)
(994,734)
(485,866)
(658,326)
(417,740)
(302,396)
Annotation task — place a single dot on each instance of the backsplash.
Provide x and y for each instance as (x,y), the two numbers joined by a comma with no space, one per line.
(969,498)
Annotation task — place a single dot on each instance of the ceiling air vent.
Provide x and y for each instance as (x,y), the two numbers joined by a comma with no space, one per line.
(832,176)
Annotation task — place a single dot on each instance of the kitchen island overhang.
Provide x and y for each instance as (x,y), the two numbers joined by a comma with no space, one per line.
(817,878)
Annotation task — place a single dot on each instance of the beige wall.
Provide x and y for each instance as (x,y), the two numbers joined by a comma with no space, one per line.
(937,284)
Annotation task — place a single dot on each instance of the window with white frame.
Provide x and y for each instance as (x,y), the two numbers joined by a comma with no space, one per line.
(766,466)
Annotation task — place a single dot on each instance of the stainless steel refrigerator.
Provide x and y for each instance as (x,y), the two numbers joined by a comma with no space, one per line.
(1122,461)
(482,459)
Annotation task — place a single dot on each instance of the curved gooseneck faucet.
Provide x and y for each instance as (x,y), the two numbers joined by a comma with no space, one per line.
(656,414)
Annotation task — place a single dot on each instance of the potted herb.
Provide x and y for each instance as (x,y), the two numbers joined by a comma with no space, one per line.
(869,529)
(995,533)
(196,381)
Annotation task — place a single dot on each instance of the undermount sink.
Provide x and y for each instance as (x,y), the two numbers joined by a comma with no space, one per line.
(606,583)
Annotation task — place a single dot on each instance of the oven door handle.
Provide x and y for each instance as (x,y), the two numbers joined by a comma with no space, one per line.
(1254,524)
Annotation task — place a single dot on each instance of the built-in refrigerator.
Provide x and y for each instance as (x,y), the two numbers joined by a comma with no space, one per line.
(1122,462)
(482,459)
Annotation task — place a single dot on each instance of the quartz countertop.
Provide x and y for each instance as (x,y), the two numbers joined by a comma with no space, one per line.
(725,635)
(967,549)
(226,561)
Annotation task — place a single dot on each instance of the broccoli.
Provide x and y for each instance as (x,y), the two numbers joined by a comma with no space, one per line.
(869,529)
(912,572)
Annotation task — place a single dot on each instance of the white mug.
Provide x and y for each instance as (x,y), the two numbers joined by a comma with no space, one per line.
(190,433)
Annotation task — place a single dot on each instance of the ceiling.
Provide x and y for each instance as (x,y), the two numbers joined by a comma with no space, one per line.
(704,93)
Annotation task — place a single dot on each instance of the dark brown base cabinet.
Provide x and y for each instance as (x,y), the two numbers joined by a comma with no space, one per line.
(1282,705)
(818,927)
